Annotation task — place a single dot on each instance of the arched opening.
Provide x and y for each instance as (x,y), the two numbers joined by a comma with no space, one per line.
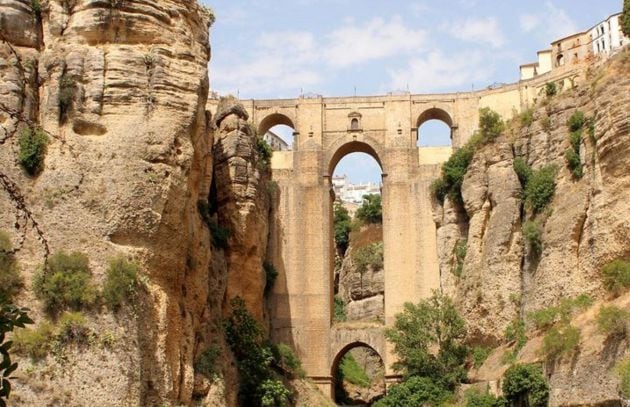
(354,124)
(357,235)
(278,131)
(358,375)
(434,129)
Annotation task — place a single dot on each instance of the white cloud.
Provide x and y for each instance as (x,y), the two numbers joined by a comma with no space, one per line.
(479,30)
(377,39)
(437,71)
(529,22)
(553,23)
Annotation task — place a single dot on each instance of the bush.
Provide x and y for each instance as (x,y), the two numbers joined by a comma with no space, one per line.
(350,371)
(490,124)
(576,121)
(531,233)
(479,355)
(371,210)
(524,385)
(514,332)
(439,189)
(11,317)
(287,360)
(121,282)
(574,163)
(66,284)
(10,279)
(271,274)
(616,275)
(32,142)
(342,223)
(36,342)
(540,188)
(67,89)
(625,28)
(273,393)
(550,89)
(622,369)
(416,391)
(428,340)
(370,256)
(561,313)
(72,328)
(560,341)
(476,398)
(453,172)
(264,151)
(205,363)
(526,117)
(460,250)
(340,310)
(523,171)
(613,321)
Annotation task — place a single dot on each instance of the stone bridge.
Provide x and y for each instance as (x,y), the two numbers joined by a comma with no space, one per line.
(302,239)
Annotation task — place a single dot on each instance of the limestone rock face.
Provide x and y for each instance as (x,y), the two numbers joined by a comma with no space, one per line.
(121,88)
(584,227)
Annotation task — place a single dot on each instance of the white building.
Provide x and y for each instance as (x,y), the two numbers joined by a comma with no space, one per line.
(353,193)
(275,141)
(607,37)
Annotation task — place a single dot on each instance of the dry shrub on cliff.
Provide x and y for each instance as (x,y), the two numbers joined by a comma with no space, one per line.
(532,233)
(36,342)
(623,371)
(613,321)
(10,278)
(370,256)
(560,341)
(616,275)
(121,282)
(32,142)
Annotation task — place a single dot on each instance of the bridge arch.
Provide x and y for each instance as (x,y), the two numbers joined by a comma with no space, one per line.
(272,120)
(434,127)
(346,146)
(434,113)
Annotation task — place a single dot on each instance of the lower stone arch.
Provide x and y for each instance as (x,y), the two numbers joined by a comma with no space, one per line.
(336,361)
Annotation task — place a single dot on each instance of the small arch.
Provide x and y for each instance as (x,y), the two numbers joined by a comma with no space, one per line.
(273,120)
(437,125)
(278,131)
(340,393)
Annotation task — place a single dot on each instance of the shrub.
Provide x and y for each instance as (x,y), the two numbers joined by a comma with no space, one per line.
(523,170)
(121,282)
(371,210)
(574,163)
(264,151)
(427,338)
(546,124)
(350,371)
(613,321)
(526,117)
(66,284)
(340,310)
(370,256)
(273,393)
(540,188)
(524,385)
(10,278)
(561,313)
(460,250)
(453,172)
(32,142)
(342,223)
(220,235)
(416,391)
(11,317)
(476,398)
(205,363)
(67,89)
(576,121)
(531,233)
(514,332)
(287,360)
(479,355)
(490,124)
(625,28)
(560,341)
(439,189)
(616,275)
(622,369)
(36,342)
(271,274)
(550,89)
(72,328)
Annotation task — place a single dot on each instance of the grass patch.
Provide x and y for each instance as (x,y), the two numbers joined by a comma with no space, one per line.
(561,313)
(340,310)
(616,276)
(288,361)
(352,372)
(514,332)
(121,282)
(622,369)
(613,321)
(560,341)
(32,142)
(36,342)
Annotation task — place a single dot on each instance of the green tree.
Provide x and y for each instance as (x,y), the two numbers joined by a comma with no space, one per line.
(433,323)
(490,124)
(416,391)
(371,210)
(625,18)
(525,386)
(11,317)
(342,223)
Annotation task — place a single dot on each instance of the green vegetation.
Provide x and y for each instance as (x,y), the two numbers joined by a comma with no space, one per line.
(342,222)
(66,284)
(479,355)
(460,250)
(561,313)
(67,89)
(514,332)
(211,16)
(415,391)
(523,170)
(371,210)
(370,256)
(205,363)
(72,328)
(526,117)
(616,275)
(572,155)
(560,341)
(476,398)
(622,369)
(352,372)
(220,236)
(613,321)
(264,151)
(287,360)
(340,310)
(625,23)
(525,385)
(490,124)
(271,274)
(36,342)
(551,89)
(10,279)
(532,234)
(545,122)
(11,317)
(259,385)
(421,329)
(121,282)
(541,185)
(32,142)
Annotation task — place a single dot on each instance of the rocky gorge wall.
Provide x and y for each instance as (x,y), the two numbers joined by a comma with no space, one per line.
(583,228)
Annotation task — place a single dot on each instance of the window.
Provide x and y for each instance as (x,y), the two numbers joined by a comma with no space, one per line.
(354,124)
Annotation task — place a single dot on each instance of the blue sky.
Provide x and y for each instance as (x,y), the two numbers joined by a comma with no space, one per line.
(274,49)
